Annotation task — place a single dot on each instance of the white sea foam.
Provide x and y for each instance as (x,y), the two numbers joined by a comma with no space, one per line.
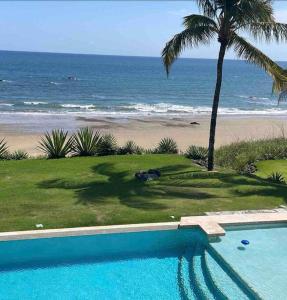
(80,106)
(253,97)
(8,81)
(6,104)
(165,108)
(35,102)
(55,83)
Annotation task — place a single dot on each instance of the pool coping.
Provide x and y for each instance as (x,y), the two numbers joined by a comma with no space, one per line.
(92,230)
(212,226)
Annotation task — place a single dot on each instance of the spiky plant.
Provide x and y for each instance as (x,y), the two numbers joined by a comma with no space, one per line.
(108,145)
(225,20)
(167,145)
(276,177)
(18,155)
(56,144)
(86,142)
(3,149)
(130,147)
(196,152)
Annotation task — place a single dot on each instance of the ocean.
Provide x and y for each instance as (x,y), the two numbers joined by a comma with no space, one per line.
(63,84)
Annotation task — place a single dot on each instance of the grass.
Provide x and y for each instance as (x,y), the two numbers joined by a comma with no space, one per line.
(267,167)
(102,190)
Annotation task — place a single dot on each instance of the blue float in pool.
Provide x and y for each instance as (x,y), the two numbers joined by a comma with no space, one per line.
(245,242)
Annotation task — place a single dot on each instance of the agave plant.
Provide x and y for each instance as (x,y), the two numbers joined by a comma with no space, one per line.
(196,152)
(3,149)
(130,148)
(56,144)
(276,177)
(108,145)
(18,155)
(167,145)
(86,142)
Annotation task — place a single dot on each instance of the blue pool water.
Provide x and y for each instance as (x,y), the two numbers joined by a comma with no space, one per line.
(263,263)
(172,264)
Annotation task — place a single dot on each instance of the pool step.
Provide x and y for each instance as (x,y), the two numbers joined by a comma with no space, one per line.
(196,272)
(213,286)
(202,276)
(225,284)
(186,292)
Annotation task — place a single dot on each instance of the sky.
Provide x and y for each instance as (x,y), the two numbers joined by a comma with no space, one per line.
(138,28)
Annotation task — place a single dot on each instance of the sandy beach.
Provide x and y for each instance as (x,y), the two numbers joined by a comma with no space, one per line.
(145,131)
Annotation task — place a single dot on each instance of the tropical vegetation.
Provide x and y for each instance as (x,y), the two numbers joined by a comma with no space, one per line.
(242,156)
(56,144)
(166,145)
(226,20)
(86,142)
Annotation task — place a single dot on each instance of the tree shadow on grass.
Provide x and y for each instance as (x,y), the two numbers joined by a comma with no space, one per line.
(176,183)
(122,185)
(238,185)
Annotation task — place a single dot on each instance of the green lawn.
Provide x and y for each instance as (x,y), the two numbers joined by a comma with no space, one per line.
(267,167)
(102,190)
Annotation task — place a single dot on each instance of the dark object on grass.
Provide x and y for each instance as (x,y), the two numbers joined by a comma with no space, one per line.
(149,175)
(154,171)
(194,123)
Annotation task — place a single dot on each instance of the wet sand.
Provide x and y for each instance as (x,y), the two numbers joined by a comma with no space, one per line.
(146,131)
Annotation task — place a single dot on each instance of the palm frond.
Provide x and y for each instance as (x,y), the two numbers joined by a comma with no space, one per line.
(198,31)
(251,11)
(267,31)
(253,55)
(282,96)
(208,7)
(194,20)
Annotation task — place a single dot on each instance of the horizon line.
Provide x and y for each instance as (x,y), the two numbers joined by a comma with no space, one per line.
(118,55)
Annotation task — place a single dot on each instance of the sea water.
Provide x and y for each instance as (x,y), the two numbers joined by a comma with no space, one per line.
(46,83)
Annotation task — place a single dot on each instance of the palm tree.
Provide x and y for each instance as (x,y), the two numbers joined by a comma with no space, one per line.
(226,20)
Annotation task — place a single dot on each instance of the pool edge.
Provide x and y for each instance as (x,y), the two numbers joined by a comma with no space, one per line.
(93,230)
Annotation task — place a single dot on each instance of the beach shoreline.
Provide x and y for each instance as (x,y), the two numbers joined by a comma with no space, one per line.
(25,132)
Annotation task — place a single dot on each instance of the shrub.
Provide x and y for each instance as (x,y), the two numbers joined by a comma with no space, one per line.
(167,146)
(130,148)
(3,149)
(149,151)
(86,142)
(18,155)
(196,153)
(276,177)
(56,144)
(243,155)
(108,145)
(244,163)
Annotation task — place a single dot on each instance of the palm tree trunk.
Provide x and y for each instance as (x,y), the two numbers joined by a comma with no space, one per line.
(212,130)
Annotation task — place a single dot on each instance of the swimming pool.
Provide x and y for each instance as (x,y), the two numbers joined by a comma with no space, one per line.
(263,263)
(163,264)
